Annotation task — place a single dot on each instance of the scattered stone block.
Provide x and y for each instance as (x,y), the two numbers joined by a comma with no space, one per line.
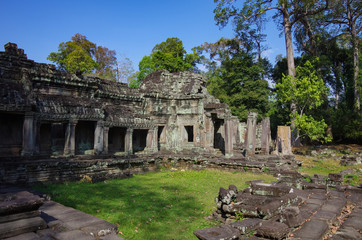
(246,225)
(291,217)
(10,229)
(24,236)
(273,230)
(313,229)
(269,189)
(12,203)
(216,233)
(75,234)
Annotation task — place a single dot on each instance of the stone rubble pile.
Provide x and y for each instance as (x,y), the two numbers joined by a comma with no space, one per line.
(290,208)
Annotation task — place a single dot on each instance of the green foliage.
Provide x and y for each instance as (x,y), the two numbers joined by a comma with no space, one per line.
(307,90)
(134,83)
(145,206)
(81,56)
(235,77)
(239,216)
(169,55)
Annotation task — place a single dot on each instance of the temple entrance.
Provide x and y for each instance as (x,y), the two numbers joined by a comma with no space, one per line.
(161,136)
(189,133)
(84,136)
(11,129)
(219,141)
(116,139)
(139,140)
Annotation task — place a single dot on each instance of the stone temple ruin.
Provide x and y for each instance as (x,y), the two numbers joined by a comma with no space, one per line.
(46,113)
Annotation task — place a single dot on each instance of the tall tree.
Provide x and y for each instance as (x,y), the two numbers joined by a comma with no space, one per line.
(81,56)
(287,11)
(347,16)
(235,76)
(169,55)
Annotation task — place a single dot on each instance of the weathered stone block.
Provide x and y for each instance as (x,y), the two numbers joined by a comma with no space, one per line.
(12,203)
(291,216)
(247,225)
(216,233)
(273,230)
(10,229)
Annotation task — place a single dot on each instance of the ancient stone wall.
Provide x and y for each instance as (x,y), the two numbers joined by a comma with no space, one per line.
(53,113)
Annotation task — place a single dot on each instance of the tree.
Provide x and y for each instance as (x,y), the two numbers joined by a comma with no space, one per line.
(307,90)
(169,55)
(125,70)
(252,14)
(235,77)
(347,16)
(81,56)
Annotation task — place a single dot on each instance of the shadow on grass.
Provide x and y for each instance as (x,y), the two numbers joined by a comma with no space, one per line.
(141,209)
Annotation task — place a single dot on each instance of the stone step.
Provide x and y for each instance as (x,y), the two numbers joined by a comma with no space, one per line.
(10,229)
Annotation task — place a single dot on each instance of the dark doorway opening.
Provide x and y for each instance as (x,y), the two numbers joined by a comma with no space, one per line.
(190,133)
(219,142)
(139,140)
(84,136)
(116,139)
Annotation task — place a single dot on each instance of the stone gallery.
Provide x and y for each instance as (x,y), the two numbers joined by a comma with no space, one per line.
(47,112)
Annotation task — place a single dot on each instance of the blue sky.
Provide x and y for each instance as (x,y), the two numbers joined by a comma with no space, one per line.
(132,28)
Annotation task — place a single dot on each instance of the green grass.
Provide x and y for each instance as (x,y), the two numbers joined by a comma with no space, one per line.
(161,205)
(313,165)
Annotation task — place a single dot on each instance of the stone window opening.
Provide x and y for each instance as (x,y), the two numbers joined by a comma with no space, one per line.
(190,133)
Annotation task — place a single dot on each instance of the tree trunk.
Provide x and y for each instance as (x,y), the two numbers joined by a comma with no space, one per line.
(291,67)
(357,103)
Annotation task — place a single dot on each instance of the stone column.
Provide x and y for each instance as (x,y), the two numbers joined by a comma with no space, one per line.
(28,135)
(284,145)
(228,125)
(265,136)
(98,138)
(128,141)
(250,140)
(69,146)
(151,141)
(105,139)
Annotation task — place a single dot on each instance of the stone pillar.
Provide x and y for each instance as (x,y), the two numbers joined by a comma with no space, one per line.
(284,145)
(265,136)
(105,139)
(28,135)
(250,140)
(128,141)
(228,125)
(98,138)
(151,141)
(69,147)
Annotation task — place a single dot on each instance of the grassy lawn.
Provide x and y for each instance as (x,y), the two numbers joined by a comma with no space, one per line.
(161,205)
(324,166)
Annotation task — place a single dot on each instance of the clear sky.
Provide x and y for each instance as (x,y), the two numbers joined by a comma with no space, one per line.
(132,28)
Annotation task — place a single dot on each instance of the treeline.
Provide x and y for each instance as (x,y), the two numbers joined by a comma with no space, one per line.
(318,93)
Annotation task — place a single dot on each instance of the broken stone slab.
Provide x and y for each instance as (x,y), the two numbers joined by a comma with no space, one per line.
(216,233)
(247,225)
(269,189)
(12,203)
(17,216)
(273,230)
(275,207)
(226,196)
(74,234)
(347,233)
(291,217)
(10,229)
(100,229)
(334,205)
(24,236)
(311,230)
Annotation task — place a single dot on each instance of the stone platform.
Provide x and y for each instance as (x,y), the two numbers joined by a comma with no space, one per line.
(58,222)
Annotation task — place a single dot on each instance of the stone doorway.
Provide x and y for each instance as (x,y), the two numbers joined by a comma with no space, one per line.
(139,140)
(84,137)
(116,139)
(219,133)
(11,130)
